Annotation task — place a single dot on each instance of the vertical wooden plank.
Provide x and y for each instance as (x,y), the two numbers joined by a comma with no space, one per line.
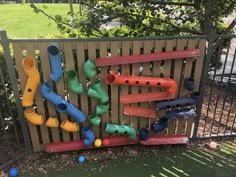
(181,44)
(148,45)
(80,47)
(134,89)
(103,46)
(92,46)
(115,104)
(125,89)
(197,77)
(60,90)
(30,47)
(170,44)
(70,65)
(46,73)
(17,48)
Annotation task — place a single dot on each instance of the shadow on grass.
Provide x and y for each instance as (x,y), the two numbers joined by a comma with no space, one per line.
(170,161)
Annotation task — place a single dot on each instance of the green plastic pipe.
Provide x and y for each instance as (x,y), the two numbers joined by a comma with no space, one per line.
(102,108)
(73,82)
(120,129)
(89,69)
(96,91)
(94,119)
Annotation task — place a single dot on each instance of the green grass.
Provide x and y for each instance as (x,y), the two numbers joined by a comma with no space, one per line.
(21,22)
(172,161)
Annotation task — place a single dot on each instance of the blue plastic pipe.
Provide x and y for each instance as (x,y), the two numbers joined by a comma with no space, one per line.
(61,104)
(177,102)
(183,113)
(55,62)
(88,136)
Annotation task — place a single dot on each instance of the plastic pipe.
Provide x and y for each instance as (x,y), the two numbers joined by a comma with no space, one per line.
(172,139)
(94,119)
(52,122)
(177,102)
(31,71)
(89,69)
(147,57)
(183,113)
(88,136)
(168,83)
(143,134)
(33,117)
(96,91)
(120,129)
(141,112)
(69,126)
(67,146)
(55,62)
(144,97)
(119,141)
(189,84)
(102,108)
(61,104)
(160,125)
(73,83)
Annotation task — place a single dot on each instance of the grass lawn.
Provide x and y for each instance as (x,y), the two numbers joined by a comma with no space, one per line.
(138,161)
(21,22)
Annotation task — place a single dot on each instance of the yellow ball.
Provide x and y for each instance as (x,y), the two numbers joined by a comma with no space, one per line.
(98,142)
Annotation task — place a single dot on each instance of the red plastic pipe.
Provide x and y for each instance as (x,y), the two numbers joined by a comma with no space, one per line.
(168,83)
(147,57)
(141,112)
(67,146)
(172,139)
(118,141)
(143,97)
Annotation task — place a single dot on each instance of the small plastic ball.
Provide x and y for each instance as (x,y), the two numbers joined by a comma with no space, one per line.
(13,172)
(213,145)
(82,159)
(105,142)
(98,142)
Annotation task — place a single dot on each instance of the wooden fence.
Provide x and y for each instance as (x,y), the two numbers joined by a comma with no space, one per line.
(76,52)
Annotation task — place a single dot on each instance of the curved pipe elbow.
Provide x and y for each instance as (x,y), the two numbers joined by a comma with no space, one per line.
(102,108)
(76,114)
(73,83)
(121,129)
(94,119)
(55,62)
(33,117)
(89,69)
(31,71)
(88,136)
(70,126)
(97,91)
(52,122)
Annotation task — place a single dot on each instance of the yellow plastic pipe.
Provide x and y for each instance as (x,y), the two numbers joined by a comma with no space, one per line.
(70,126)
(31,71)
(52,122)
(33,117)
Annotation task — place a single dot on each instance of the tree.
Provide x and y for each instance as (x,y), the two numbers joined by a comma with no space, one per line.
(143,17)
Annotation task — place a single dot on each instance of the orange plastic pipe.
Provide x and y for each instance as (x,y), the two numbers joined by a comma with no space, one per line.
(168,83)
(143,97)
(52,122)
(147,57)
(70,126)
(31,71)
(33,117)
(141,112)
(171,139)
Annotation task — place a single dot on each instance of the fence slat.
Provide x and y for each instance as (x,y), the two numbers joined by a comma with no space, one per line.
(22,77)
(45,65)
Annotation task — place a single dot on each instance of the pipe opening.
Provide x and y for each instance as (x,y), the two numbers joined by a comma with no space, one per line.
(137,82)
(116,131)
(64,122)
(147,82)
(110,78)
(71,74)
(28,63)
(177,105)
(168,106)
(53,50)
(125,132)
(61,107)
(126,81)
(29,90)
(158,83)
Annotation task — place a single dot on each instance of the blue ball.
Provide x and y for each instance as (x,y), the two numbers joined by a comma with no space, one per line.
(13,172)
(82,159)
